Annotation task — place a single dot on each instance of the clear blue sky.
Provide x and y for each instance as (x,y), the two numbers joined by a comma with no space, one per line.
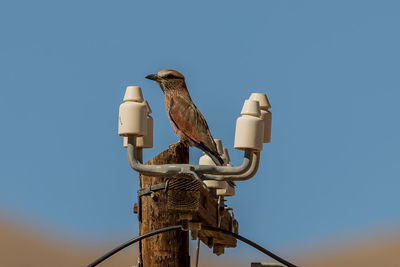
(330,68)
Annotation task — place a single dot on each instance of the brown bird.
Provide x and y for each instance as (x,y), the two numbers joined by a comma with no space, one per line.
(187,121)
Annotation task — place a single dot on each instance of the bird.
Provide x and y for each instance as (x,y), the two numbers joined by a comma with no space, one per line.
(186,119)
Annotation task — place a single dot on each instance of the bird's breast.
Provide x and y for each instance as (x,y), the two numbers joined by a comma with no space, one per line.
(168,104)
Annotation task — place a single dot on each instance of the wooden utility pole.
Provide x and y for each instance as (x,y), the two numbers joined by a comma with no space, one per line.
(170,248)
(183,200)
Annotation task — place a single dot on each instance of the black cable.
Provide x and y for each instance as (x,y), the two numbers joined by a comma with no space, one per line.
(203,227)
(132,241)
(245,240)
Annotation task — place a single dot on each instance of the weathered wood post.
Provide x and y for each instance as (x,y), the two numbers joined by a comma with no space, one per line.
(183,200)
(170,248)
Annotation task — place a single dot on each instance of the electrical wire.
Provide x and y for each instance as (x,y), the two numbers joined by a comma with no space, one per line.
(245,240)
(197,251)
(204,227)
(132,241)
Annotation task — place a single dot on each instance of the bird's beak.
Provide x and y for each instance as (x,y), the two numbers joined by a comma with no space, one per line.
(153,77)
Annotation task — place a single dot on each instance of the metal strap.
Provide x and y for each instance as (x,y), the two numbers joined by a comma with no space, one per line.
(152,188)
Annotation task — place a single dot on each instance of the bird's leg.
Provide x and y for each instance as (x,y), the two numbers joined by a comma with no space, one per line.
(185,141)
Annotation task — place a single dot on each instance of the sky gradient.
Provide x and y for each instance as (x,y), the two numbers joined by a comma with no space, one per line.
(330,69)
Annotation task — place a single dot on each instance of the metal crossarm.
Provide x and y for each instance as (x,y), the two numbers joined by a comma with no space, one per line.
(222,173)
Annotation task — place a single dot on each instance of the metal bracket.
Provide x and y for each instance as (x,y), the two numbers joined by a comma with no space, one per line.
(243,172)
(151,189)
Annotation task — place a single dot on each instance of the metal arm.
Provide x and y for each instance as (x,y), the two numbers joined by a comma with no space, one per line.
(238,177)
(242,172)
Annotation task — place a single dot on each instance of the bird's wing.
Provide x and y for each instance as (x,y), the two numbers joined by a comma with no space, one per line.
(188,119)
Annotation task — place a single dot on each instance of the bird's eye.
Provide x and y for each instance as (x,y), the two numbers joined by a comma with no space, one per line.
(170,76)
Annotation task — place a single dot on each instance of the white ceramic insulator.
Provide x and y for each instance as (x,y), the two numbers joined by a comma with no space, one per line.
(220,148)
(265,114)
(225,156)
(228,191)
(267,118)
(249,131)
(215,184)
(146,141)
(262,100)
(132,118)
(149,111)
(125,141)
(206,160)
(224,159)
(133,93)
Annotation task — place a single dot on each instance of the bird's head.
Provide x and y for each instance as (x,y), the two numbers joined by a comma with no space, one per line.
(168,80)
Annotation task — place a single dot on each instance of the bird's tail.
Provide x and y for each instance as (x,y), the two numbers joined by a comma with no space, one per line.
(213,155)
(216,158)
